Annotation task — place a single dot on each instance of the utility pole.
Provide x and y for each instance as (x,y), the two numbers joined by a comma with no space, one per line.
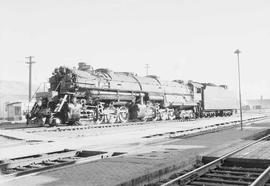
(30,62)
(147,67)
(237,52)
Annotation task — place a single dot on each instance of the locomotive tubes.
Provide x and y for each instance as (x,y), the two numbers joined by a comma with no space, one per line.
(104,96)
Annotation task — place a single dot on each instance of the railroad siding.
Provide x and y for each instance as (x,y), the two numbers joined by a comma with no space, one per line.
(257,151)
(140,168)
(227,148)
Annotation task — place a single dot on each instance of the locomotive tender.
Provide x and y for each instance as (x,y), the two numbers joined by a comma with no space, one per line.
(105,96)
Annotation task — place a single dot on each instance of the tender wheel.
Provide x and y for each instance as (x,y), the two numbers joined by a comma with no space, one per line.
(123,114)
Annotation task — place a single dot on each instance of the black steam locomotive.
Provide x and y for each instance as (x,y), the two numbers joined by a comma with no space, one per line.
(104,96)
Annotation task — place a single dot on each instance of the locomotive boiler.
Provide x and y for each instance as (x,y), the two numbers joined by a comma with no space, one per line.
(104,96)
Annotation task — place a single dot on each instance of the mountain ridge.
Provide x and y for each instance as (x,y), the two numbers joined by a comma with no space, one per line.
(16,88)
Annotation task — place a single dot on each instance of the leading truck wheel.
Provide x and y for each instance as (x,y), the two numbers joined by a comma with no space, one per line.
(54,121)
(123,114)
(145,119)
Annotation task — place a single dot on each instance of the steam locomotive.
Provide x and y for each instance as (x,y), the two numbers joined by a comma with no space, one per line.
(104,96)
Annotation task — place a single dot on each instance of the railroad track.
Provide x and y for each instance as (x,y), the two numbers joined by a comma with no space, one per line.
(91,126)
(11,168)
(43,162)
(222,172)
(94,126)
(205,129)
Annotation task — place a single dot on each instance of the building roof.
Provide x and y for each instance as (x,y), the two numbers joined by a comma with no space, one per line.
(265,103)
(14,103)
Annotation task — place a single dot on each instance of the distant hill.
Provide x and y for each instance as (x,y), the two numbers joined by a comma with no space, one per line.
(13,91)
(15,88)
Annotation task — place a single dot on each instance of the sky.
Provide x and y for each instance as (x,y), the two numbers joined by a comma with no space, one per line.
(179,39)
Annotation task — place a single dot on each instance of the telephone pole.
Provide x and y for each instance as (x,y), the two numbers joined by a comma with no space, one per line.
(30,62)
(237,52)
(147,67)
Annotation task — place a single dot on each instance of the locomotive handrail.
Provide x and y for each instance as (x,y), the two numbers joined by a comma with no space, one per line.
(137,81)
(57,86)
(109,89)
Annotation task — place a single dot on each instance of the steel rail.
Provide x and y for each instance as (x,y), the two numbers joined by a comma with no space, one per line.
(66,127)
(205,168)
(263,178)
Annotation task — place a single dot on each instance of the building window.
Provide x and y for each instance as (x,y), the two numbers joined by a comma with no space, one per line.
(17,111)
